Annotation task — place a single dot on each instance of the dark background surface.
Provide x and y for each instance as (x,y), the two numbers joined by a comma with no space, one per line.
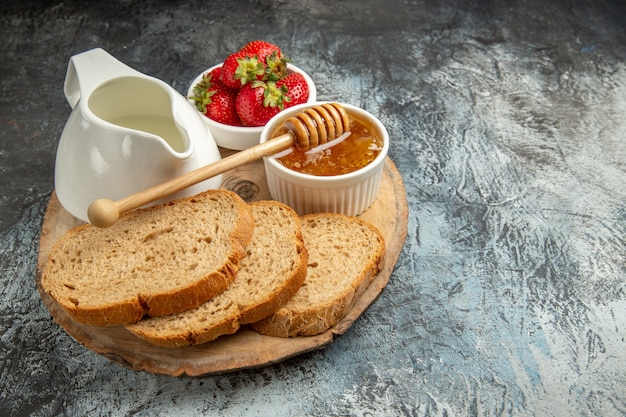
(508,125)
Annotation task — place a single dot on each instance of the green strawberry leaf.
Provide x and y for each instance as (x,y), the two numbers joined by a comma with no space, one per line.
(274,96)
(202,94)
(249,69)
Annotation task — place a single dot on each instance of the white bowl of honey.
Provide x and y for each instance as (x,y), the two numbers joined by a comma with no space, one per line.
(342,178)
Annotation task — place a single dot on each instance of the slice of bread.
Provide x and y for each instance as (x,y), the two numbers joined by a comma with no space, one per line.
(152,262)
(345,255)
(274,269)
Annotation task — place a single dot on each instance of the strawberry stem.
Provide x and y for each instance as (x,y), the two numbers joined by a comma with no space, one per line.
(276,67)
(201,94)
(249,69)
(273,96)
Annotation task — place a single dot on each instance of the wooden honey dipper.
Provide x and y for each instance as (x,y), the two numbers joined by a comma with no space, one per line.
(306,129)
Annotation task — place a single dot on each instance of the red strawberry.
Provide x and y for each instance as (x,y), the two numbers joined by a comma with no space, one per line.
(215,100)
(297,89)
(201,90)
(261,49)
(222,107)
(240,68)
(257,60)
(258,102)
(270,55)
(215,74)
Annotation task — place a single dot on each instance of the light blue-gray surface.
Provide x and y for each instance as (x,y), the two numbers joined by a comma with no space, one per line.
(508,126)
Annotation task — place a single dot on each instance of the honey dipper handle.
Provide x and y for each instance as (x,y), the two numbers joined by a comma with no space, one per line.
(104,213)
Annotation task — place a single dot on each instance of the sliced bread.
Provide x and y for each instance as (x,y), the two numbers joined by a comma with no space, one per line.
(273,270)
(345,254)
(154,261)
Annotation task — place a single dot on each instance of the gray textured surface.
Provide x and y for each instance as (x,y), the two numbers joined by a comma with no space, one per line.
(508,125)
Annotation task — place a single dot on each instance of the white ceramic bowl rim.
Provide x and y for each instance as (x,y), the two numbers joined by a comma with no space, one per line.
(326,181)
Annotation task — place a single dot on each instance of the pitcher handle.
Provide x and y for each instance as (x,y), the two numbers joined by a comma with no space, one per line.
(89,69)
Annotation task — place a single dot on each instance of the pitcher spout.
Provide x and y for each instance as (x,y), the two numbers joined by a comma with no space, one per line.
(147,105)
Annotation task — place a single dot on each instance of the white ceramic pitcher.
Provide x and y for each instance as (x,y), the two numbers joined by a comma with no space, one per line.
(127,132)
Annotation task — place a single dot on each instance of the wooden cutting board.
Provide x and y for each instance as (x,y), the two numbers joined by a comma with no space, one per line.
(246,348)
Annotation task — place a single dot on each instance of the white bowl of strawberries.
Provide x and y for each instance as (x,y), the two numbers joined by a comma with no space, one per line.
(240,95)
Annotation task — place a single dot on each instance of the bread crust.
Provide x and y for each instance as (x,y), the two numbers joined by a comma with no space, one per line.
(226,313)
(139,302)
(301,319)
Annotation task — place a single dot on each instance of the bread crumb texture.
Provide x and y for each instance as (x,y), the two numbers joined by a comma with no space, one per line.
(271,273)
(152,261)
(345,254)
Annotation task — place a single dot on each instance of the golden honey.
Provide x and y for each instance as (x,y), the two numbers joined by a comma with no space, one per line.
(360,148)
